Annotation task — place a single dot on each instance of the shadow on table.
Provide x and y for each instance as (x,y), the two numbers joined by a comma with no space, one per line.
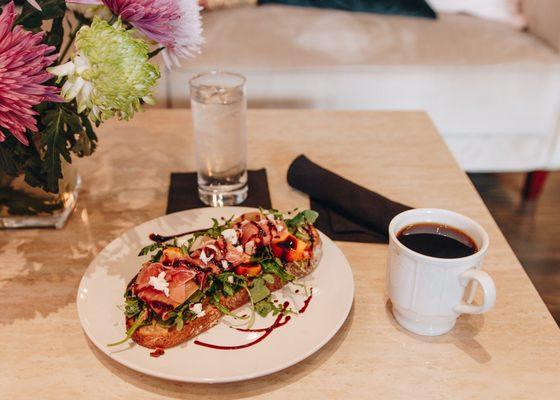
(462,335)
(234,390)
(46,270)
(50,263)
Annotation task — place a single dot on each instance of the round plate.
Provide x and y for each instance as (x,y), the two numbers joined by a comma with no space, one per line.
(101,293)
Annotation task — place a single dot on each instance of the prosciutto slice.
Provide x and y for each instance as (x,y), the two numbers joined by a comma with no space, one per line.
(260,232)
(180,281)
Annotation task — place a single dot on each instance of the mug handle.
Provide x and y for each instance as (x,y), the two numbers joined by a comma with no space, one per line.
(488,288)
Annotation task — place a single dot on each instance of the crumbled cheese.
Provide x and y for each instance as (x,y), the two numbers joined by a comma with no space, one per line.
(159,283)
(197,309)
(225,264)
(244,222)
(239,248)
(230,279)
(205,258)
(279,228)
(270,217)
(249,247)
(230,235)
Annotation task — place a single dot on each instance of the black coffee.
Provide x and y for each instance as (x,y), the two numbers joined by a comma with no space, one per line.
(437,240)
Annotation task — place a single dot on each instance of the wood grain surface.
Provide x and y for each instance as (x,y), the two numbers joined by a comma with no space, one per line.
(512,352)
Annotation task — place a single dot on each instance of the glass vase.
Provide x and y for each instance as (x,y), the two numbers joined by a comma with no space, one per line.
(24,206)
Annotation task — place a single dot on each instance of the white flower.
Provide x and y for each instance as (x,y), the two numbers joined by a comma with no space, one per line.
(159,283)
(109,74)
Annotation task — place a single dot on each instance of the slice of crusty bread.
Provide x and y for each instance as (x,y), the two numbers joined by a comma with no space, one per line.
(156,336)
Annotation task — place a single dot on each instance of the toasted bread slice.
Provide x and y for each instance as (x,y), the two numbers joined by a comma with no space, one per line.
(157,336)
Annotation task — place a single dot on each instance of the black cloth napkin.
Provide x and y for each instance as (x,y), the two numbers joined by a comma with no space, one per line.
(347,212)
(183,191)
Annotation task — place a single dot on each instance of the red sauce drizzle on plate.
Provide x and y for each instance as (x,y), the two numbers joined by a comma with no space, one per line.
(281,320)
(306,302)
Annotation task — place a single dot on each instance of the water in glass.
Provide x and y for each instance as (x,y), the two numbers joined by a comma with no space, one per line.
(219,116)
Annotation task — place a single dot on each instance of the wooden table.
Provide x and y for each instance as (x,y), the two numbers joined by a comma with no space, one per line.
(512,352)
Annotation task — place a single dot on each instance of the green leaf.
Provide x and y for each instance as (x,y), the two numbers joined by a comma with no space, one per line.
(157,256)
(137,324)
(32,19)
(148,249)
(268,278)
(259,291)
(263,307)
(227,312)
(54,142)
(305,217)
(56,34)
(179,322)
(274,266)
(230,288)
(196,297)
(8,163)
(133,306)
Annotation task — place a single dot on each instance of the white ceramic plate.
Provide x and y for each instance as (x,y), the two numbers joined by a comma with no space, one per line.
(103,284)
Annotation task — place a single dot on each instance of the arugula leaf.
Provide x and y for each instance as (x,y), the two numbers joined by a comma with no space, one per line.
(133,306)
(274,266)
(268,278)
(267,306)
(230,288)
(137,324)
(263,308)
(259,291)
(157,256)
(179,322)
(196,297)
(302,218)
(149,248)
(227,312)
(216,230)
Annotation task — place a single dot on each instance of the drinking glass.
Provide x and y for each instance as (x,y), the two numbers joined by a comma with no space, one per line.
(219,106)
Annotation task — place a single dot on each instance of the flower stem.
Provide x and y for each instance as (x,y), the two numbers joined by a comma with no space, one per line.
(71,38)
(155,52)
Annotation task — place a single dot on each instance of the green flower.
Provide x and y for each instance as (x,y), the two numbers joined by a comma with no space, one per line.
(109,73)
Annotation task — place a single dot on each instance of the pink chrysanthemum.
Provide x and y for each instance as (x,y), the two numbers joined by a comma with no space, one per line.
(174,24)
(23,60)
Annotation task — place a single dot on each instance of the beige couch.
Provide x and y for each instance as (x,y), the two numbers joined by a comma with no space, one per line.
(493,92)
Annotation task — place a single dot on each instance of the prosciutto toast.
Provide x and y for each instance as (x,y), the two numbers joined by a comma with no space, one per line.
(185,289)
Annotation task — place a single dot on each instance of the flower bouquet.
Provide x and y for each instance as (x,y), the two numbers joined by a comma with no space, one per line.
(66,66)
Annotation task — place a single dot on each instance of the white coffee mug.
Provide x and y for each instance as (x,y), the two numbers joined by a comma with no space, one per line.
(428,293)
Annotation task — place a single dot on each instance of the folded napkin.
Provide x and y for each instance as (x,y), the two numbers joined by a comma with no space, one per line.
(183,191)
(347,211)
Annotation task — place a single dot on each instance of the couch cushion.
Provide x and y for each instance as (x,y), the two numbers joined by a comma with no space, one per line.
(290,37)
(487,87)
